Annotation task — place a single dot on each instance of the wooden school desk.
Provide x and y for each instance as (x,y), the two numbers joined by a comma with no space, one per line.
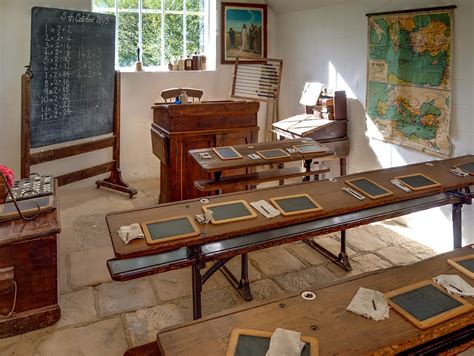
(176,129)
(223,170)
(219,243)
(338,331)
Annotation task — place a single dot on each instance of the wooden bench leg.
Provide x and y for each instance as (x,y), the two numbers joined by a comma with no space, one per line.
(342,260)
(242,286)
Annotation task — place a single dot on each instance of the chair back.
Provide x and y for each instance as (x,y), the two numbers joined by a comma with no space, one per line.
(170,94)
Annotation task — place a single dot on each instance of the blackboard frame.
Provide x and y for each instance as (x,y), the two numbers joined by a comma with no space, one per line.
(423,324)
(236,333)
(151,241)
(303,211)
(283,153)
(454,263)
(217,149)
(353,185)
(460,166)
(434,185)
(320,150)
(251,215)
(29,159)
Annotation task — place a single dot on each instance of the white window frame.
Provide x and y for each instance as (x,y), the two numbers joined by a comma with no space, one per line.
(207,28)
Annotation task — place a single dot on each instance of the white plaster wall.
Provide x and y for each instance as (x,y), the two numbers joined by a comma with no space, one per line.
(139,91)
(329,44)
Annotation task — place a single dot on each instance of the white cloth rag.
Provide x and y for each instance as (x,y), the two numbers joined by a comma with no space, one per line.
(131,232)
(285,343)
(370,304)
(455,284)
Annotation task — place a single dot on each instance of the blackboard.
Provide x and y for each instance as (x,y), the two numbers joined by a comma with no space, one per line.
(72,64)
(426,304)
(275,153)
(309,148)
(465,264)
(169,229)
(418,181)
(244,342)
(296,204)
(230,211)
(369,188)
(227,152)
(468,167)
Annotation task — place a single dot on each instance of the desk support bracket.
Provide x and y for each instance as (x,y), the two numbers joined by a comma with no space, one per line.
(342,260)
(242,286)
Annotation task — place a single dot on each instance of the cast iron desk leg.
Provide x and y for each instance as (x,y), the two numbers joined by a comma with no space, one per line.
(242,286)
(342,260)
(307,165)
(217,178)
(457,225)
(197,289)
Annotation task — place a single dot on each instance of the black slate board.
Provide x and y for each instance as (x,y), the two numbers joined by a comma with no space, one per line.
(468,167)
(175,227)
(368,187)
(230,211)
(72,62)
(467,264)
(226,152)
(417,181)
(275,153)
(425,302)
(250,345)
(298,203)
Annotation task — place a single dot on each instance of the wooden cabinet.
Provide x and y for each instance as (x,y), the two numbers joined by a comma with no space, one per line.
(29,273)
(176,129)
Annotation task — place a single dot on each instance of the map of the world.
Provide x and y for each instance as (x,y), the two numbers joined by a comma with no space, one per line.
(409,79)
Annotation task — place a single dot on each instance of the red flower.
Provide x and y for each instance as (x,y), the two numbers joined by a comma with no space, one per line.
(8,174)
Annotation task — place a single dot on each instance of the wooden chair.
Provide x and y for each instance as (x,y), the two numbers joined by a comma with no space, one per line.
(170,94)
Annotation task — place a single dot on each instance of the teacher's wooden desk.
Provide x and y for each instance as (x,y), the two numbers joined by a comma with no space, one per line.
(220,243)
(338,331)
(223,169)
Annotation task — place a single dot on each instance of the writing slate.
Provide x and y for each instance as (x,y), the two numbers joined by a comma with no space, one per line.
(72,64)
(274,153)
(369,188)
(296,204)
(426,304)
(418,181)
(465,264)
(227,152)
(245,342)
(28,207)
(309,148)
(467,167)
(230,211)
(169,229)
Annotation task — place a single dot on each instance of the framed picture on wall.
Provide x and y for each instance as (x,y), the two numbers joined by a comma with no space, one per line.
(244,32)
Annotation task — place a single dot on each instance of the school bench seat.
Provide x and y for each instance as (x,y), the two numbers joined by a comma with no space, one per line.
(208,185)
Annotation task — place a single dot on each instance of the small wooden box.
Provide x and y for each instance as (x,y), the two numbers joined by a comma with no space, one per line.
(28,258)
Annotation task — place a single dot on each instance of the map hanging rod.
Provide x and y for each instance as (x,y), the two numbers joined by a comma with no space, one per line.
(436,8)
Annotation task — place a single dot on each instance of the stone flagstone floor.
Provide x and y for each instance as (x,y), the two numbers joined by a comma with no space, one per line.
(102,317)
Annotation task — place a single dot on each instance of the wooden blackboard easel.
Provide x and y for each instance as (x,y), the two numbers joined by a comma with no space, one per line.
(28,159)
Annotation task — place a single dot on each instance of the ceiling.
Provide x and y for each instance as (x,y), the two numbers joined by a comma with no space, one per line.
(298,5)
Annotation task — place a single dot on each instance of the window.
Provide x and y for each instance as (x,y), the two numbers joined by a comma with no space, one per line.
(164,30)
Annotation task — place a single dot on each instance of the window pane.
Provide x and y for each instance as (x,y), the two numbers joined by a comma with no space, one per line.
(128,4)
(127,38)
(104,4)
(175,5)
(151,4)
(173,37)
(151,39)
(195,33)
(195,5)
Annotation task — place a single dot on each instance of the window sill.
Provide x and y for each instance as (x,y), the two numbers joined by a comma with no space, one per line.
(153,70)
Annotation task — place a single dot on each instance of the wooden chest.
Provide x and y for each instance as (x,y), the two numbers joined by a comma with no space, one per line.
(29,273)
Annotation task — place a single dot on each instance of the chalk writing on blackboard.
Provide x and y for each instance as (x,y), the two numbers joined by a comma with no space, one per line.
(72,63)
